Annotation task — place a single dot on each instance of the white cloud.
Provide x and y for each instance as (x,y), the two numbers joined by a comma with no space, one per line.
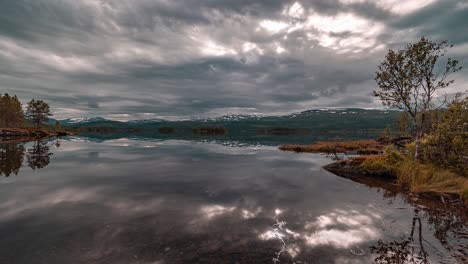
(211,48)
(177,59)
(296,10)
(395,6)
(357,32)
(274,26)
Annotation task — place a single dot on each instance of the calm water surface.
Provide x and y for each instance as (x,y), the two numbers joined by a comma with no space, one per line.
(128,201)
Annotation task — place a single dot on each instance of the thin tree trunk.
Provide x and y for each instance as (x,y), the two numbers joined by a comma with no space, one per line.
(417,138)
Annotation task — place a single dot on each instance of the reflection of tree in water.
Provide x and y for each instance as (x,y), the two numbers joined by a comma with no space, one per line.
(57,143)
(449,221)
(11,158)
(38,156)
(407,250)
(447,217)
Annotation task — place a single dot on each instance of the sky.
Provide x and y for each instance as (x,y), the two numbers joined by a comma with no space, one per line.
(171,59)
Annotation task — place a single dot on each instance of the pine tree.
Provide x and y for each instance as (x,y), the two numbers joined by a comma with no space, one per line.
(38,111)
(11,111)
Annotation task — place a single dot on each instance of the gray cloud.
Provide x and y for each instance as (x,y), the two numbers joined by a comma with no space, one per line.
(143,59)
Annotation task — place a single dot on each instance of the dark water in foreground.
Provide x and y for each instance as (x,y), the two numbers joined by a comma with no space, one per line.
(127,201)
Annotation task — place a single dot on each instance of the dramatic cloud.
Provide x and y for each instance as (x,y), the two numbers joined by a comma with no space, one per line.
(128,59)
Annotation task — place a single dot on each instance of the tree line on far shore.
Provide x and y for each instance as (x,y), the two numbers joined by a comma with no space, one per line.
(12,114)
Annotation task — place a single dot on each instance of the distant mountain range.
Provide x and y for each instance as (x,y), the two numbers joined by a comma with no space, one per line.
(297,128)
(303,119)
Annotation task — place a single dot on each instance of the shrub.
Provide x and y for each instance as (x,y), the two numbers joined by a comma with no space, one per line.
(387,133)
(384,165)
(369,151)
(410,149)
(447,145)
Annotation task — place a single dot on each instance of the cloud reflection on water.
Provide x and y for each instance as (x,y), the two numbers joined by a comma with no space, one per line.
(196,201)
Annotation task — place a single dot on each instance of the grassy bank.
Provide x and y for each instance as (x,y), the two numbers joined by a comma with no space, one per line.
(413,175)
(380,160)
(358,146)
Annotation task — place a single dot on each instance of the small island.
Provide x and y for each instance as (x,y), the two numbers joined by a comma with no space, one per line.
(209,130)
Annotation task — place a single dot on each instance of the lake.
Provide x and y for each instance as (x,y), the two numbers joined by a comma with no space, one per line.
(180,201)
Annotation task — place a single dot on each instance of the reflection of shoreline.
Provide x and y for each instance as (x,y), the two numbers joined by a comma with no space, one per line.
(18,135)
(12,156)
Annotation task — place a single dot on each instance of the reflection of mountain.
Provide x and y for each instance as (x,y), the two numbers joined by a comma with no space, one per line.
(301,128)
(12,156)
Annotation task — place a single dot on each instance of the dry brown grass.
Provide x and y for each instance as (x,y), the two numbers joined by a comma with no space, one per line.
(428,178)
(390,163)
(416,177)
(360,146)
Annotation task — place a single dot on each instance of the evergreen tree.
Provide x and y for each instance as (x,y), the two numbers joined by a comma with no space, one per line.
(38,111)
(11,111)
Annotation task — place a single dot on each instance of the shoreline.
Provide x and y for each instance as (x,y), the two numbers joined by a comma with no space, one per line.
(17,135)
(345,169)
(450,205)
(361,150)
